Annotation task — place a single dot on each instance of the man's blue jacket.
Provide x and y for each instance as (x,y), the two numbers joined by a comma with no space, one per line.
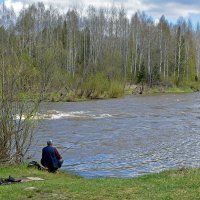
(50,158)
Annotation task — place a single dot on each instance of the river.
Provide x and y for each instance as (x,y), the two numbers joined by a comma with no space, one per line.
(125,137)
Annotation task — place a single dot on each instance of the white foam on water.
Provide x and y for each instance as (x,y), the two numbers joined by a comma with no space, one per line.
(53,115)
(104,116)
(17,117)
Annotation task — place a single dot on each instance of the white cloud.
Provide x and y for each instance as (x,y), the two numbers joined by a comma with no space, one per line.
(174,10)
(17,6)
(170,10)
(182,9)
(131,6)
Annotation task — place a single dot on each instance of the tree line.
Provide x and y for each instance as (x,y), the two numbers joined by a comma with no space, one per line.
(45,54)
(95,52)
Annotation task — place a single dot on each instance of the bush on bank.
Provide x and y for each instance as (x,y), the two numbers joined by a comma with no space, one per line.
(96,86)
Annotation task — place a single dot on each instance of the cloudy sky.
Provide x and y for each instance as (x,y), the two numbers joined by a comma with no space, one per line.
(172,9)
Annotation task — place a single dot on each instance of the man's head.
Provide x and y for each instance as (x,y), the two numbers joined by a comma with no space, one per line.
(49,142)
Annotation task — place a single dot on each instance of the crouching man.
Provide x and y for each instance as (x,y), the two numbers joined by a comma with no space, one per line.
(51,157)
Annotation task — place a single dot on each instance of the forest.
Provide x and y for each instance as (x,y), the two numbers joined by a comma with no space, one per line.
(93,53)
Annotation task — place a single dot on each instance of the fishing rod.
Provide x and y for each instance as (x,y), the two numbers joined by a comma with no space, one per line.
(66,148)
(71,146)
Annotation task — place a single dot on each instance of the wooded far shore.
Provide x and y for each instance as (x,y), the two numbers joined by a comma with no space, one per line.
(69,56)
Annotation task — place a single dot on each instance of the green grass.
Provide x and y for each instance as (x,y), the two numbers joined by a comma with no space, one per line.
(176,184)
(174,90)
(161,90)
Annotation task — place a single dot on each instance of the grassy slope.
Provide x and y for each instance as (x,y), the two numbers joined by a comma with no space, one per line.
(177,184)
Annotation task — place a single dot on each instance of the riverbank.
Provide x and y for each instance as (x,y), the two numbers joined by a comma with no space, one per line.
(174,184)
(119,91)
(116,91)
(146,90)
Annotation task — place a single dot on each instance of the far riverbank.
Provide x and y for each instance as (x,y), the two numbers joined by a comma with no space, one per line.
(134,89)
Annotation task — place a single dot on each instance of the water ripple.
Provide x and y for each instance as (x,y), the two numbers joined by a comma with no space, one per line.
(124,137)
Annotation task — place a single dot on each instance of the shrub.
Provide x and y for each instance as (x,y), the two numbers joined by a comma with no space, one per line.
(95,85)
(116,89)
